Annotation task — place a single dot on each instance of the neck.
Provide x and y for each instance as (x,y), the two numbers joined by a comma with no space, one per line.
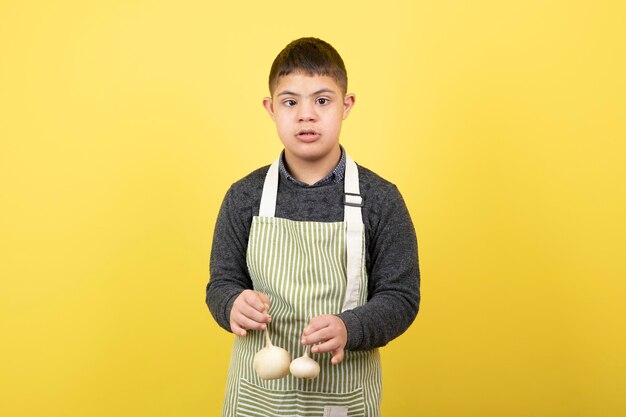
(311,171)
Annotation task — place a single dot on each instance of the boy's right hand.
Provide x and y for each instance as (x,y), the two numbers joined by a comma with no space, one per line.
(249,312)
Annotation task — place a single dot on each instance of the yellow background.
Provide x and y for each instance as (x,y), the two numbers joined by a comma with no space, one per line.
(122,124)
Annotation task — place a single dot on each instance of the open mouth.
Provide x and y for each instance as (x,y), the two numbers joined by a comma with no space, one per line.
(307,134)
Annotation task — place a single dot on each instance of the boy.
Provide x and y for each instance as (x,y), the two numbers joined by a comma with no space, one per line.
(325,246)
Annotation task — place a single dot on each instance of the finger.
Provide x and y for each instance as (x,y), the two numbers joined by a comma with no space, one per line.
(236,329)
(328,346)
(265,299)
(318,336)
(337,356)
(253,314)
(315,324)
(254,300)
(248,324)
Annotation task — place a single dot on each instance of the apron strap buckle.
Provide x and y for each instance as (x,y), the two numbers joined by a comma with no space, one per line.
(352,200)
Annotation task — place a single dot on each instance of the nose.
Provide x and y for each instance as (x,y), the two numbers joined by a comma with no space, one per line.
(306,112)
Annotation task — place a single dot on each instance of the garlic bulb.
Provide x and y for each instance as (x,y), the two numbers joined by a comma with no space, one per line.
(271,362)
(304,366)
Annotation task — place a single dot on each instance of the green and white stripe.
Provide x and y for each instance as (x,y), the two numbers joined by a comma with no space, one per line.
(257,401)
(302,267)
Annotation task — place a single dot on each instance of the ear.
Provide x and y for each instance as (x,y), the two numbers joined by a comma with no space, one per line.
(348,103)
(269,106)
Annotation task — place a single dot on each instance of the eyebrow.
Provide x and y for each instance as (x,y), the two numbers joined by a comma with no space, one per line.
(291,93)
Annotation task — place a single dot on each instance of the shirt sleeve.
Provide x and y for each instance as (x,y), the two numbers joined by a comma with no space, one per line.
(228,270)
(393,277)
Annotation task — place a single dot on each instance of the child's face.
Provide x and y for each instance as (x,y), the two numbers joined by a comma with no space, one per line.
(308,112)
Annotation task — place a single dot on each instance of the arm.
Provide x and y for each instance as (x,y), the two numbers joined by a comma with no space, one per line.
(393,288)
(394,278)
(229,273)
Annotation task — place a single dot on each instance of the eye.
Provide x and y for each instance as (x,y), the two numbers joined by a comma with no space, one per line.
(289,102)
(322,101)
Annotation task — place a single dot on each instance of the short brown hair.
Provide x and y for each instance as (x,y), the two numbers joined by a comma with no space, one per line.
(310,56)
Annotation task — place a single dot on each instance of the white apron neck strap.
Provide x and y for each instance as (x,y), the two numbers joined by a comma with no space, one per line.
(270,190)
(352,198)
(354,234)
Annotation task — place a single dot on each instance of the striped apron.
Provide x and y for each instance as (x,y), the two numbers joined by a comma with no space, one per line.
(307,269)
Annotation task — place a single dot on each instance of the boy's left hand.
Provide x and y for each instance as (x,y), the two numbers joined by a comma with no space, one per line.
(331,334)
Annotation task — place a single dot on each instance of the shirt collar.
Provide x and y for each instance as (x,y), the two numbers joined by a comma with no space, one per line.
(335,176)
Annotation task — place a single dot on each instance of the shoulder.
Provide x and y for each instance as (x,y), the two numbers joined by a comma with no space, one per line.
(251,183)
(382,201)
(385,213)
(375,188)
(245,193)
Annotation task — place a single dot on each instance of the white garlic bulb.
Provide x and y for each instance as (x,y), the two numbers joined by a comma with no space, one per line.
(271,362)
(304,366)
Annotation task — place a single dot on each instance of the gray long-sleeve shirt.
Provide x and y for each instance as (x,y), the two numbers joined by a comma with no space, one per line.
(391,250)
